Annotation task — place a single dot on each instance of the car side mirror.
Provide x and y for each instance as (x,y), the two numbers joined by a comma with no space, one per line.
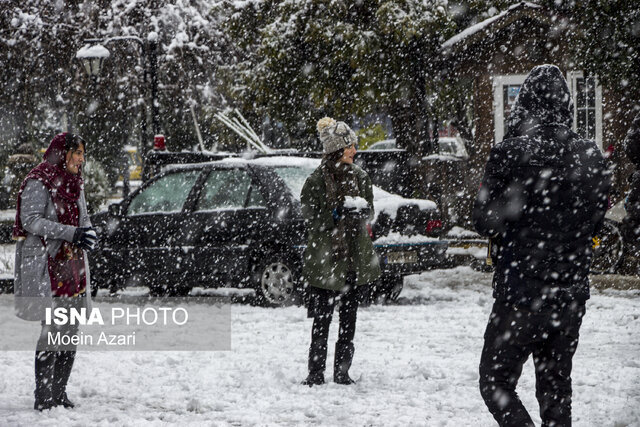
(116,209)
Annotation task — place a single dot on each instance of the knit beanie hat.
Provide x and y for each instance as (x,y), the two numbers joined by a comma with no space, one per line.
(335,135)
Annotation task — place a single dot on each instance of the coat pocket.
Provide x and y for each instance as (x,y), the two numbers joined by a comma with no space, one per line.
(33,251)
(34,275)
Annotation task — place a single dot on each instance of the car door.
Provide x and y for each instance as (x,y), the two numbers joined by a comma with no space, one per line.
(223,225)
(152,219)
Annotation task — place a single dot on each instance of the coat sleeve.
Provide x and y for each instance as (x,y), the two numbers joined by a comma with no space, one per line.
(632,202)
(368,194)
(490,213)
(84,219)
(632,141)
(315,212)
(32,214)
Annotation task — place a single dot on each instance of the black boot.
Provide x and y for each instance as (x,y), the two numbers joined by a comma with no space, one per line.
(317,365)
(62,371)
(342,363)
(44,367)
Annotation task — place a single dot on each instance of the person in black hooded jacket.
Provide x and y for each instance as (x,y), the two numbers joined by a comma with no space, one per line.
(631,221)
(542,198)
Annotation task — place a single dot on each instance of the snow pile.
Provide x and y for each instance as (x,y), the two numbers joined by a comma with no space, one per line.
(8,215)
(395,238)
(357,203)
(390,203)
(458,232)
(95,51)
(7,261)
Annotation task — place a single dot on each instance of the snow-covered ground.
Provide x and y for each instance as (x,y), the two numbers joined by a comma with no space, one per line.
(7,261)
(415,362)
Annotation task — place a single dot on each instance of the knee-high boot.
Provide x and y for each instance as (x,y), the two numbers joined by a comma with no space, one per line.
(317,364)
(62,371)
(342,363)
(44,370)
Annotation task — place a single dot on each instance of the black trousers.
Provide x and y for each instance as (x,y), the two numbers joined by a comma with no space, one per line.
(513,333)
(348,309)
(320,307)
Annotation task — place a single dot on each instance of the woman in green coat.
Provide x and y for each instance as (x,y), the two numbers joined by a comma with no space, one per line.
(337,204)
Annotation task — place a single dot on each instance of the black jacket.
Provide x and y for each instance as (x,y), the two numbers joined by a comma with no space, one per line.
(632,142)
(632,149)
(543,196)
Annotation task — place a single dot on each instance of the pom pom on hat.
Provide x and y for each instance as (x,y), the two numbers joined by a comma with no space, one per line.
(325,122)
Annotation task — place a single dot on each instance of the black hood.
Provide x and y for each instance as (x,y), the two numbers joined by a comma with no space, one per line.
(544,99)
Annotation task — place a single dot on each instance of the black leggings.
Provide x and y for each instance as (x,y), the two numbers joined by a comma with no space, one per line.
(348,309)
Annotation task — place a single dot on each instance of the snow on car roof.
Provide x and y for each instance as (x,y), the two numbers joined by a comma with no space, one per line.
(383,201)
(275,161)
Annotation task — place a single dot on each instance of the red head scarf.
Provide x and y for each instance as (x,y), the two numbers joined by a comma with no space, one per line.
(64,187)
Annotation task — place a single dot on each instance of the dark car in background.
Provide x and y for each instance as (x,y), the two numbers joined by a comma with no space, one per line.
(238,223)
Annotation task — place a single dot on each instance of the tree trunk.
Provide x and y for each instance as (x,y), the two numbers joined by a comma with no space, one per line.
(403,121)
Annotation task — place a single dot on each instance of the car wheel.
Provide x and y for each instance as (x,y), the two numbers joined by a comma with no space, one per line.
(276,282)
(607,249)
(111,285)
(394,290)
(386,289)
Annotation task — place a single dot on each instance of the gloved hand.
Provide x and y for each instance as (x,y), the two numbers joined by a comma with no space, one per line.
(85,238)
(351,212)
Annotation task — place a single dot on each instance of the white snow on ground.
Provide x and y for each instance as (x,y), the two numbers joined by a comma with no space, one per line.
(7,215)
(415,362)
(7,260)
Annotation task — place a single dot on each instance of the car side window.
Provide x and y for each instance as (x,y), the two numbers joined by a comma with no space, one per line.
(229,189)
(165,195)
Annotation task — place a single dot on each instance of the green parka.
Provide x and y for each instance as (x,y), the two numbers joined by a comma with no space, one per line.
(320,270)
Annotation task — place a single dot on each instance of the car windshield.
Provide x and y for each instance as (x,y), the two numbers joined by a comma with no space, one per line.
(294,177)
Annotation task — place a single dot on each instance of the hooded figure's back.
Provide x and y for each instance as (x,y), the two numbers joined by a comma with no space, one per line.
(543,195)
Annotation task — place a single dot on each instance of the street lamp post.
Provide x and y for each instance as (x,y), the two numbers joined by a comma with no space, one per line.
(93,54)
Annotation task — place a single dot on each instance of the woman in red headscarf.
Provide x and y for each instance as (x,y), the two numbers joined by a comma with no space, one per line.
(53,231)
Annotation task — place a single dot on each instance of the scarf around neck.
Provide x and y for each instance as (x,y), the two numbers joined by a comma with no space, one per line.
(341,181)
(64,187)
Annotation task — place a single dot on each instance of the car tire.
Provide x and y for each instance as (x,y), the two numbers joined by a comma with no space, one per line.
(394,290)
(607,255)
(387,289)
(111,285)
(276,281)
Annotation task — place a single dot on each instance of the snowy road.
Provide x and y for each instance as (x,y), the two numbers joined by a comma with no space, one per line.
(416,364)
